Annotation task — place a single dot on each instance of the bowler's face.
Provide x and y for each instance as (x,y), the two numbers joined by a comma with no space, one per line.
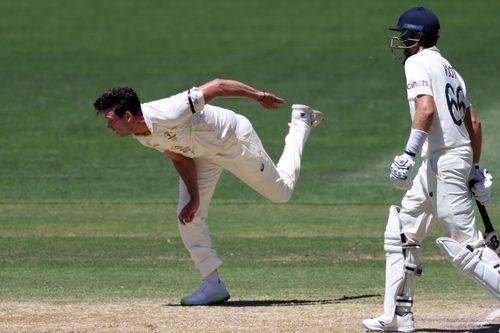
(119,125)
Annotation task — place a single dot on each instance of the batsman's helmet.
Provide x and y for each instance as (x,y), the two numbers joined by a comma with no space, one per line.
(416,25)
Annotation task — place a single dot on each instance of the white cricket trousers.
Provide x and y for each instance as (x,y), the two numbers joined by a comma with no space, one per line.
(246,158)
(440,193)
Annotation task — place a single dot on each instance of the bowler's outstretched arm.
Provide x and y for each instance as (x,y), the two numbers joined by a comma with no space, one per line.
(231,88)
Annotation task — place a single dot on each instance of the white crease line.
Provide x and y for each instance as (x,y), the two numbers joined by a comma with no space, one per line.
(489,318)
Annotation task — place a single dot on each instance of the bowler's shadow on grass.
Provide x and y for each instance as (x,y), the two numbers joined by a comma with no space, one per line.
(291,302)
(493,328)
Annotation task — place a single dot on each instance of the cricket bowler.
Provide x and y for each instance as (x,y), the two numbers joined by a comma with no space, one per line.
(202,140)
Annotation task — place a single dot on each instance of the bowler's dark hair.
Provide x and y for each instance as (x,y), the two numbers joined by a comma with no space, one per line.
(120,100)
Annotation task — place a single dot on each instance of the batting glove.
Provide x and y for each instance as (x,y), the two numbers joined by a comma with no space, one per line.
(400,174)
(482,181)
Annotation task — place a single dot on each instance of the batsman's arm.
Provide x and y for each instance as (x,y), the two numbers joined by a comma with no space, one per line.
(425,109)
(231,88)
(473,125)
(422,121)
(186,169)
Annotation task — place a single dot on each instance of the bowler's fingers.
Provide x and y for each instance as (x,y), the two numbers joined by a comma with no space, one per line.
(272,101)
(183,218)
(186,216)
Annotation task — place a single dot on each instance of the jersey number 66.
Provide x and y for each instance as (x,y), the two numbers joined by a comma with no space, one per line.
(456,104)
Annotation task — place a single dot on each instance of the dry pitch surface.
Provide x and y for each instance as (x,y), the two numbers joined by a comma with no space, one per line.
(237,316)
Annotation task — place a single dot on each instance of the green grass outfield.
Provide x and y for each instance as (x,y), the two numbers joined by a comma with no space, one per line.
(87,216)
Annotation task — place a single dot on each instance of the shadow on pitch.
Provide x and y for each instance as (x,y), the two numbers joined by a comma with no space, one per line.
(495,328)
(291,302)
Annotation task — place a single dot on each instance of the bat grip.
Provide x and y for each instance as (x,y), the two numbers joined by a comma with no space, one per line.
(488,227)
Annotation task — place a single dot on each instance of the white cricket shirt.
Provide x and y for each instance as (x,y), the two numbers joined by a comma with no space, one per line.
(428,73)
(184,124)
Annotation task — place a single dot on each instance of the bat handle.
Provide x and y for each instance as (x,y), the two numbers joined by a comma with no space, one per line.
(488,227)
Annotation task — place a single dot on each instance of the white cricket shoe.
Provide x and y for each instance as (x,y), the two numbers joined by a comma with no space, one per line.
(311,117)
(208,293)
(398,324)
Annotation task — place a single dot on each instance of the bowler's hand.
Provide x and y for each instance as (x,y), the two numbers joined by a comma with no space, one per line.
(187,213)
(271,101)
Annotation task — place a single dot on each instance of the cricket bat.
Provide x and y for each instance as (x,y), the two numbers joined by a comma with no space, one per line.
(491,236)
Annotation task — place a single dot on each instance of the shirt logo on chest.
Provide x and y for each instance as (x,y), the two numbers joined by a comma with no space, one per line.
(185,150)
(171,136)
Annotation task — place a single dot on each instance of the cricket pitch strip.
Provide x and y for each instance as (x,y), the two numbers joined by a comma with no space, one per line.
(237,316)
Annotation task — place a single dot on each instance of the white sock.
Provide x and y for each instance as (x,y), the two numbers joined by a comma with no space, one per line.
(212,277)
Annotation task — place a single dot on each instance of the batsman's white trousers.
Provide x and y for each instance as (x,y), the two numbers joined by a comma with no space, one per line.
(246,158)
(440,193)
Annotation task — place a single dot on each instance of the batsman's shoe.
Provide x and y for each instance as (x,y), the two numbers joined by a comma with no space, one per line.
(398,324)
(313,118)
(208,293)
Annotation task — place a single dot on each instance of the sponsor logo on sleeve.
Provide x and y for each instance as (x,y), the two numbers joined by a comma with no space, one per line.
(415,84)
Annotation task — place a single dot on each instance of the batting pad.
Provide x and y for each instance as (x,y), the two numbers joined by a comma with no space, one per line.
(471,263)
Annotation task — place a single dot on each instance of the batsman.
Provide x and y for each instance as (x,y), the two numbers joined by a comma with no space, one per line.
(446,132)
